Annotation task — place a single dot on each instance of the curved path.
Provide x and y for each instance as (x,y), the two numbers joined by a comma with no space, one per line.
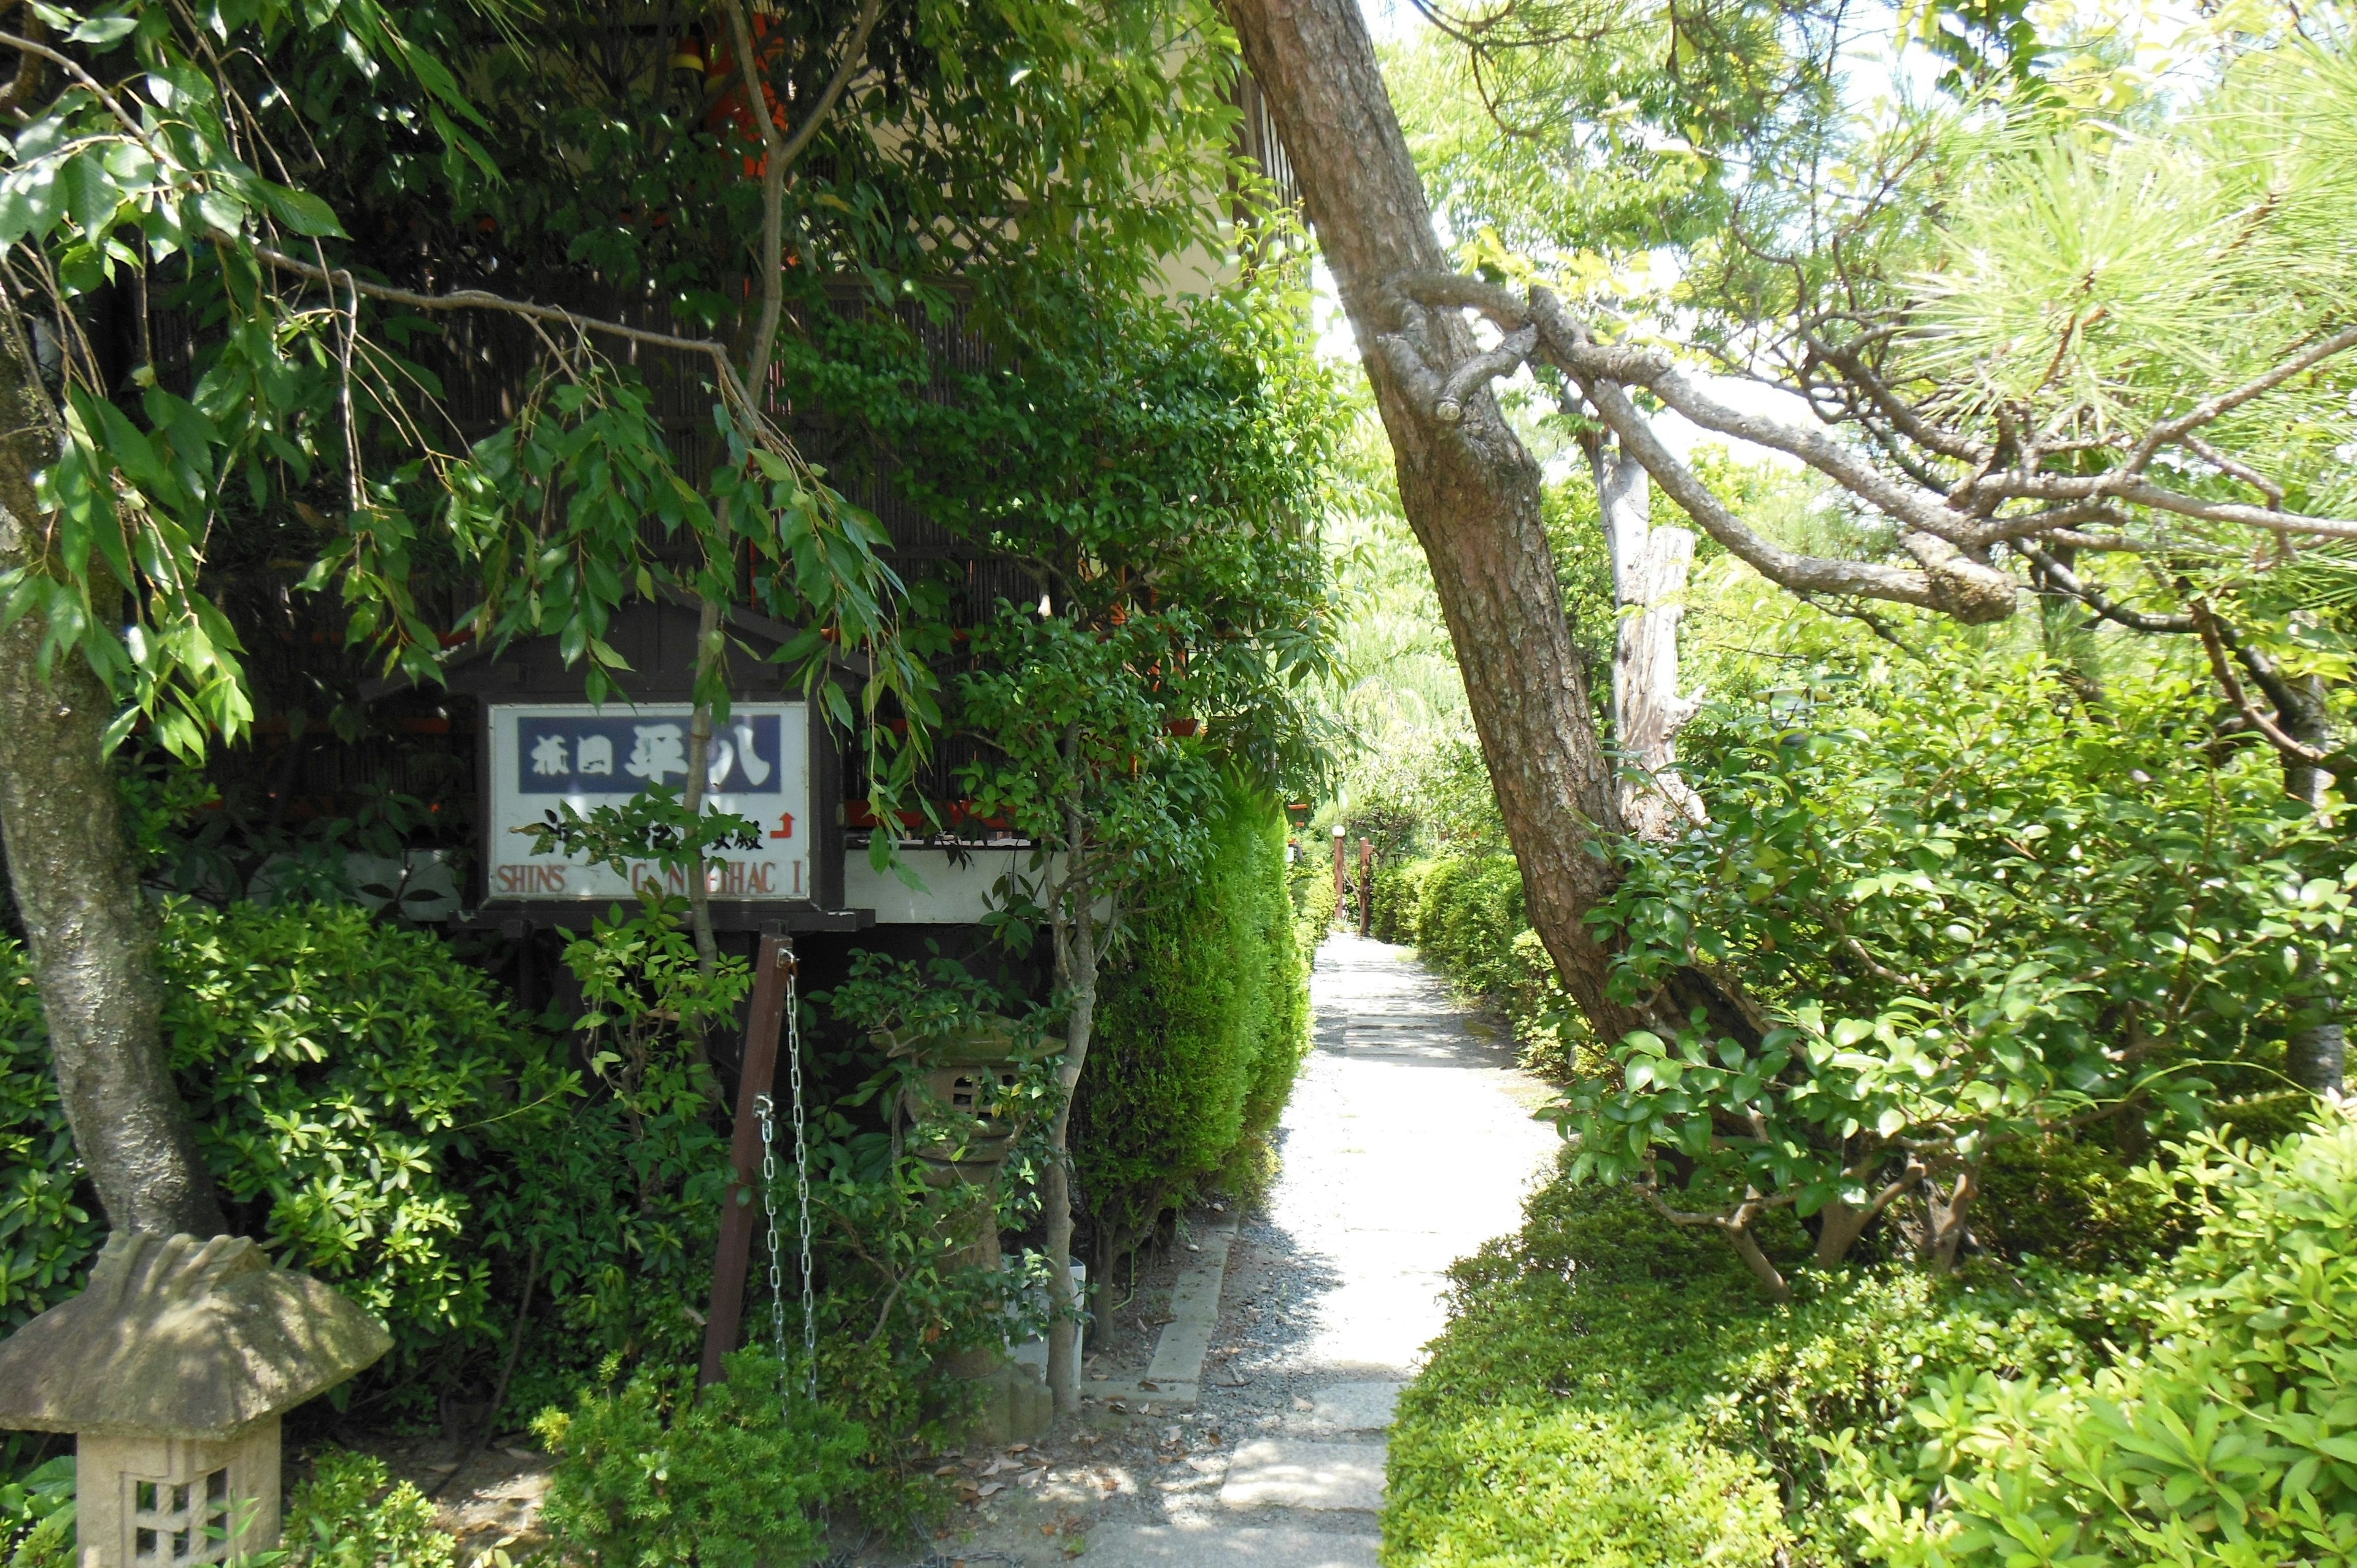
(1409,1142)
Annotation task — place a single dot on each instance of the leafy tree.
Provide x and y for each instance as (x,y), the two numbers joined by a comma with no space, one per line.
(1880,279)
(1975,911)
(347,234)
(1181,623)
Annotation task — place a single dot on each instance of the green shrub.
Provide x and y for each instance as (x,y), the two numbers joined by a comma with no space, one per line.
(1468,912)
(1975,911)
(1311,884)
(349,1080)
(1398,886)
(346,1516)
(658,1472)
(1201,1028)
(2077,1203)
(1283,1027)
(50,1229)
(1524,1488)
(37,1516)
(2231,1440)
(1595,1308)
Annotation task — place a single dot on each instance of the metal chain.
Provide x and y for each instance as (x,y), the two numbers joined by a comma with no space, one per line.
(802,1183)
(766,1109)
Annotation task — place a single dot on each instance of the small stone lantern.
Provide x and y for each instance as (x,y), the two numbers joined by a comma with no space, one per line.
(172,1369)
(957,1134)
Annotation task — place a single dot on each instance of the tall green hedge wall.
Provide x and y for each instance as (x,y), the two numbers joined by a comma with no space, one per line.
(1201,1027)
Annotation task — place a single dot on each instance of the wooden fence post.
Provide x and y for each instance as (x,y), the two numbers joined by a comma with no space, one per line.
(1366,888)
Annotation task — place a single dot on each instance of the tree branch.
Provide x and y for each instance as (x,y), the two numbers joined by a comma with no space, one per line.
(2062,577)
(2205,622)
(480,299)
(2209,409)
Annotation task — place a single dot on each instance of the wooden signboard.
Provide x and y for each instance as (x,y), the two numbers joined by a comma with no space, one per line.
(545,756)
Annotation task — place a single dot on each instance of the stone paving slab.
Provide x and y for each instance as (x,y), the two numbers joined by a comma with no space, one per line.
(1173,1379)
(1348,1407)
(1255,1546)
(1319,1475)
(1194,1308)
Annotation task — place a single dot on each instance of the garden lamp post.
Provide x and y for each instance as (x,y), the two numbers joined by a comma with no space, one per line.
(1342,874)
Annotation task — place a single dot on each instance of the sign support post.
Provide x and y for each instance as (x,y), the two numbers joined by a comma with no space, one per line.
(738,1210)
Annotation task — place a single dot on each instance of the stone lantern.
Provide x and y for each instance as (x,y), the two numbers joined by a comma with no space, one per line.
(172,1369)
(951,1108)
(956,1133)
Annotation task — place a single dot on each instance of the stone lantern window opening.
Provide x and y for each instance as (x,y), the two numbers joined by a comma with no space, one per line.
(175,1522)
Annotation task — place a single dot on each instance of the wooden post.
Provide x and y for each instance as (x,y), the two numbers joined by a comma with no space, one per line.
(741,1209)
(1366,888)
(1342,874)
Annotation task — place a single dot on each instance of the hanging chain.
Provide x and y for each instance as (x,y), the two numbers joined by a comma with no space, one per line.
(767,1110)
(802,1182)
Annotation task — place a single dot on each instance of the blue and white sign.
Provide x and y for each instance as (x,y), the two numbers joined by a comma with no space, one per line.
(547,754)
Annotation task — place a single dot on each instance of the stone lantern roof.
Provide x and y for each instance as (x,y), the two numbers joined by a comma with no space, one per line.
(985,1039)
(177,1338)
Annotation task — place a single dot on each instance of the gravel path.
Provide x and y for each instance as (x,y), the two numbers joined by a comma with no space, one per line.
(1409,1142)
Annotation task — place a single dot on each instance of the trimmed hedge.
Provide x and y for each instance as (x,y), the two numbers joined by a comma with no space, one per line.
(1598,1346)
(1518,1487)
(1200,1027)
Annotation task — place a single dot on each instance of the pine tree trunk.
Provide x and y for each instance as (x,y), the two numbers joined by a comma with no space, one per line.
(1470,491)
(90,932)
(1650,567)
(2316,1056)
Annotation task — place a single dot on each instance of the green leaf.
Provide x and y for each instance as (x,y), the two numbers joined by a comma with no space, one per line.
(104,30)
(302,211)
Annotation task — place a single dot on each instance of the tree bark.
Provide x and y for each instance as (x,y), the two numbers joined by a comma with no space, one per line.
(1470,491)
(1944,1216)
(2316,1056)
(1650,567)
(1073,917)
(88,926)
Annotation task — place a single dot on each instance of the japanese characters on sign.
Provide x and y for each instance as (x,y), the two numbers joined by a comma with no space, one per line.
(544,755)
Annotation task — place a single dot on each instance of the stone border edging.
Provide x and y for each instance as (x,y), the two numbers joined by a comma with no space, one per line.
(1173,1378)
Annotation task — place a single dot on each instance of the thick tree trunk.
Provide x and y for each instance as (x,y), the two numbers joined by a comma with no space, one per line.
(1650,567)
(87,922)
(1469,490)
